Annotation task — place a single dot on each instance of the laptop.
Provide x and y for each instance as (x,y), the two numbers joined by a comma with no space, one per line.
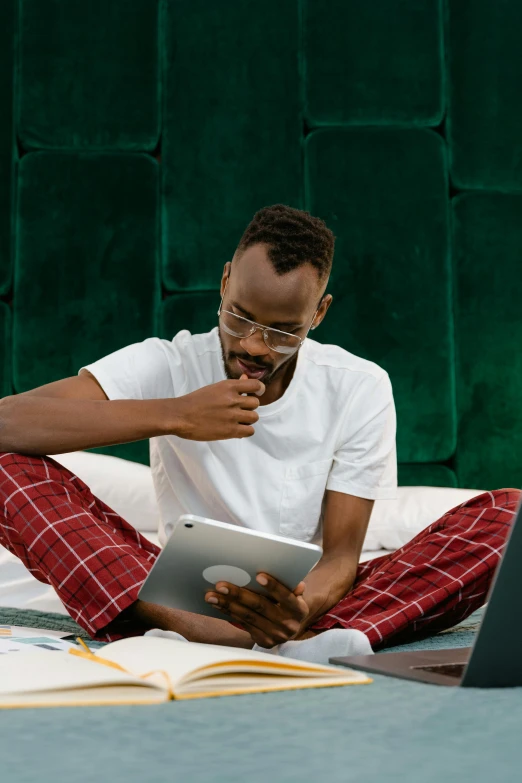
(494,660)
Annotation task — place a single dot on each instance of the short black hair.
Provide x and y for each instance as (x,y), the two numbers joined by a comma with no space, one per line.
(294,237)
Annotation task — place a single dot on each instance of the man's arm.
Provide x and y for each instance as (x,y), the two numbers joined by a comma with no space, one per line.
(287,614)
(345,523)
(75,414)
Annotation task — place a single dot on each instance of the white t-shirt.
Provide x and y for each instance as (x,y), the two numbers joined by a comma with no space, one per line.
(333,428)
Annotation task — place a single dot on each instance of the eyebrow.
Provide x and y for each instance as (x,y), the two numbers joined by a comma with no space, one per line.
(275,325)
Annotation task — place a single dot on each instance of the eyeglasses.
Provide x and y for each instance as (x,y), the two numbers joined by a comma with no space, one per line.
(276,340)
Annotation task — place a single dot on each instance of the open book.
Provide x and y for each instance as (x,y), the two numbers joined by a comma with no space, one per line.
(148,669)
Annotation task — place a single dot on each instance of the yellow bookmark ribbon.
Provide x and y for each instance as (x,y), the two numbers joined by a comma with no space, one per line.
(89,655)
(86,653)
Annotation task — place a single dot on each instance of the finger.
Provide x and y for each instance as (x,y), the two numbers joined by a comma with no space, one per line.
(244,431)
(250,386)
(282,594)
(258,637)
(260,605)
(299,590)
(247,417)
(228,593)
(255,623)
(249,402)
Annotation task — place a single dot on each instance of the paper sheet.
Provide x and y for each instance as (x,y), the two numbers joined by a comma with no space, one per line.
(19,630)
(14,644)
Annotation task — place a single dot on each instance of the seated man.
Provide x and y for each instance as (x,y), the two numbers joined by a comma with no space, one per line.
(252,424)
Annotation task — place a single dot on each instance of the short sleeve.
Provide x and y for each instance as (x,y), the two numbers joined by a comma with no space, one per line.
(365,463)
(141,371)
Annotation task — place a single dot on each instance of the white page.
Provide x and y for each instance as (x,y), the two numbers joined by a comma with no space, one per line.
(38,670)
(142,654)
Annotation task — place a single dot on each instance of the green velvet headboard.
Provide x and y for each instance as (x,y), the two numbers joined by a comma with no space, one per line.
(138,139)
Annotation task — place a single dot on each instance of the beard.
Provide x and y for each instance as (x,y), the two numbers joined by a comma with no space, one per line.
(234,375)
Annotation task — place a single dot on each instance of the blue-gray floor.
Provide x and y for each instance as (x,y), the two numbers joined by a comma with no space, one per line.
(390,730)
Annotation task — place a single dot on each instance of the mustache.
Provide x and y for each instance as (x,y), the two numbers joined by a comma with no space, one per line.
(250,360)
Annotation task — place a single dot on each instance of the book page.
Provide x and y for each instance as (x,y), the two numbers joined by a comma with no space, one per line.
(184,662)
(36,671)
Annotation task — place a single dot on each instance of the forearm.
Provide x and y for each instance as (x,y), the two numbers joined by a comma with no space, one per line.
(143,615)
(330,580)
(49,425)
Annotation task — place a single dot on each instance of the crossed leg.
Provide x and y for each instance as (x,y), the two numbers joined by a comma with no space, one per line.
(97,562)
(435,581)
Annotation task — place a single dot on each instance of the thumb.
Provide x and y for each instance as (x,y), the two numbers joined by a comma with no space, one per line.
(244,377)
(299,590)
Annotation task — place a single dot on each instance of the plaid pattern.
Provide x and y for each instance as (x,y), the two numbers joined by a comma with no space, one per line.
(70,539)
(97,562)
(435,581)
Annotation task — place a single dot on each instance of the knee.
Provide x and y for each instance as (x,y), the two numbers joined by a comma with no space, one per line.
(508,498)
(15,465)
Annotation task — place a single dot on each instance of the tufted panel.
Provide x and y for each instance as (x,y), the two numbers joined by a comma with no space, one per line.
(7,41)
(232,128)
(145,135)
(89,75)
(86,275)
(487,251)
(383,192)
(374,63)
(485,111)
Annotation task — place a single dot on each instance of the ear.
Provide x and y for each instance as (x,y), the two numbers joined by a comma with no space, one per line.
(325,303)
(225,276)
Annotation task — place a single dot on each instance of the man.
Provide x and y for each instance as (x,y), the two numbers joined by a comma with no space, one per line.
(254,424)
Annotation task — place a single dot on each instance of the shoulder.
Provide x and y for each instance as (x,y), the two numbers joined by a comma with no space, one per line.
(195,344)
(343,367)
(185,347)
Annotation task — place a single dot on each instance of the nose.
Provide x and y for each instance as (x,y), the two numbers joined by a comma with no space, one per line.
(255,344)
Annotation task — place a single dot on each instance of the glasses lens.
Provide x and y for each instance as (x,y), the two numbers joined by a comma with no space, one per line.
(282,342)
(241,327)
(235,325)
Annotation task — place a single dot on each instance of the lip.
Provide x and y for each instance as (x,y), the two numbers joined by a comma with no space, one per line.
(252,371)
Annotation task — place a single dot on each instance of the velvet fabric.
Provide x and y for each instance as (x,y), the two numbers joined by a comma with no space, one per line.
(348,108)
(385,199)
(232,128)
(196,311)
(5,350)
(7,39)
(378,62)
(89,75)
(426,476)
(485,110)
(86,281)
(87,266)
(487,247)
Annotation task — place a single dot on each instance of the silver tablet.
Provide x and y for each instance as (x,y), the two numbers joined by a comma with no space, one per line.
(201,552)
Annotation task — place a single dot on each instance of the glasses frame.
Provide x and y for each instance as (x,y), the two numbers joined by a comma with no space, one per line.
(254,326)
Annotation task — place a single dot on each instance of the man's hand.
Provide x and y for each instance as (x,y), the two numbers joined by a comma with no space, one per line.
(222,410)
(269,620)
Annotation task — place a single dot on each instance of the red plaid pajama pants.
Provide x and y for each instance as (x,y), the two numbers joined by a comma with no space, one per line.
(97,562)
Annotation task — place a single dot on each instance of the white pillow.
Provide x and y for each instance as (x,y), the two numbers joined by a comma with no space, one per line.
(395,522)
(124,486)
